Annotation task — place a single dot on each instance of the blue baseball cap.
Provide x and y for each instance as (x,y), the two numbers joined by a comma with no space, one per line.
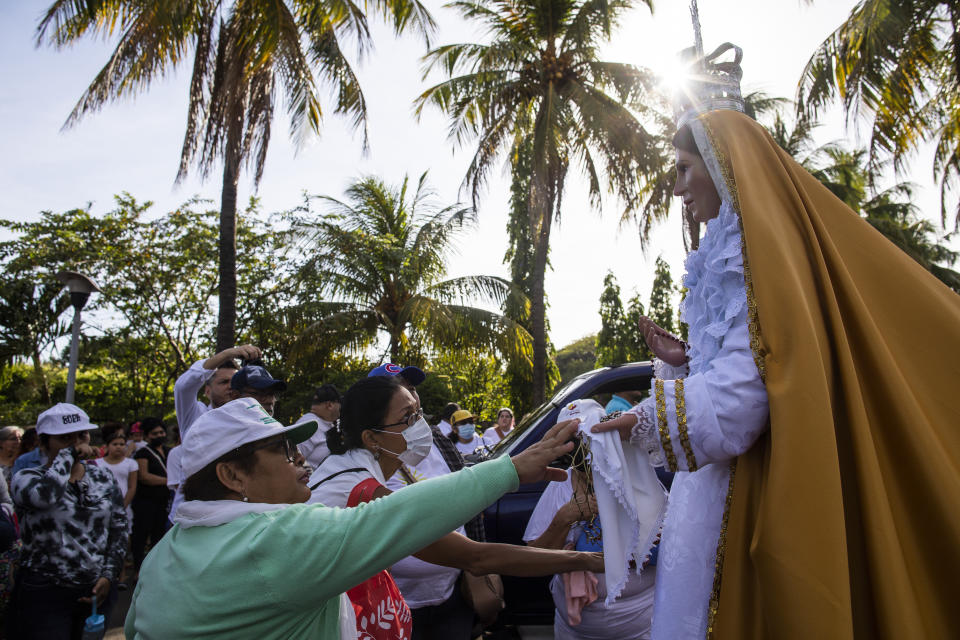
(257,377)
(413,375)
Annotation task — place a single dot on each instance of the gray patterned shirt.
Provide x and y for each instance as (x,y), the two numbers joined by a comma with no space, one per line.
(73,533)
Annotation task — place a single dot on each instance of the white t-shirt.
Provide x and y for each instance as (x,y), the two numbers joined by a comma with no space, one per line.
(175,479)
(469,447)
(628,618)
(121,471)
(421,583)
(314,448)
(491,437)
(445,427)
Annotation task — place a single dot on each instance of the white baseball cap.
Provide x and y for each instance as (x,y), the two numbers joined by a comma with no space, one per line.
(63,418)
(232,425)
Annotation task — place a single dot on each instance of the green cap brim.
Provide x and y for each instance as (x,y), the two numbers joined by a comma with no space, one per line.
(299,432)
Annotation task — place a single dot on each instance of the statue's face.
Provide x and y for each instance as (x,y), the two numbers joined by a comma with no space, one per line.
(694,185)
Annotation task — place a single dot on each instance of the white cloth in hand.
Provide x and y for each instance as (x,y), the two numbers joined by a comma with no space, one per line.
(630,498)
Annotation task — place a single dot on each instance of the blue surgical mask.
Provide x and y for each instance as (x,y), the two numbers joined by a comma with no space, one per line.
(467,431)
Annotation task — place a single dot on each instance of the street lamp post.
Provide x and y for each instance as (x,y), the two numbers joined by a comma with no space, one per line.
(80,288)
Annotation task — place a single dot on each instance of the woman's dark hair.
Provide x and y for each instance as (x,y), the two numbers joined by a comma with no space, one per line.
(205,485)
(364,405)
(683,139)
(150,423)
(108,428)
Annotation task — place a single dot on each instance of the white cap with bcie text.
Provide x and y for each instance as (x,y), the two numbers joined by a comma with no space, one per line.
(63,418)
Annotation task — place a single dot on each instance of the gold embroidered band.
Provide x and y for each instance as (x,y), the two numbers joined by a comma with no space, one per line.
(682,425)
(662,426)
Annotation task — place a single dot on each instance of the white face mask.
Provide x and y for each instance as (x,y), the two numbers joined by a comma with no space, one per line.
(419,439)
(467,431)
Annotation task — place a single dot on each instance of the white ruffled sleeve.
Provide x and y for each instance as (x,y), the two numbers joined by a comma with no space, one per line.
(708,417)
(669,372)
(719,410)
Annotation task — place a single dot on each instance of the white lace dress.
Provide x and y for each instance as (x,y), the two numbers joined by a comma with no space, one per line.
(697,423)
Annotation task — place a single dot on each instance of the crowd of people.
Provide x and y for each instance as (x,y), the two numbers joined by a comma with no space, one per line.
(80,522)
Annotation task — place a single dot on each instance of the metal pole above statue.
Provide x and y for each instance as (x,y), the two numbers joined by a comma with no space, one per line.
(80,287)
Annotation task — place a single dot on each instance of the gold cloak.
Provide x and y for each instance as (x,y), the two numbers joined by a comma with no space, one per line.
(843,521)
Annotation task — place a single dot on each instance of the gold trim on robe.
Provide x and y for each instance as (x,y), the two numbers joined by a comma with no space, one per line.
(663,427)
(682,425)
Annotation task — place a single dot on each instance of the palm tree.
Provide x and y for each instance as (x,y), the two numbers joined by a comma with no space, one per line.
(246,54)
(539,79)
(378,260)
(896,63)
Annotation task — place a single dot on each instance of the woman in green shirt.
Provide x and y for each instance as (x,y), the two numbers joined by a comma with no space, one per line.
(246,560)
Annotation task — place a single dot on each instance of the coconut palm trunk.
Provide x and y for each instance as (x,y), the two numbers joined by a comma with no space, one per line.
(538,312)
(227,314)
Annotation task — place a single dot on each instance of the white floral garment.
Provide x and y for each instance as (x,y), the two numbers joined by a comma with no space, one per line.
(726,410)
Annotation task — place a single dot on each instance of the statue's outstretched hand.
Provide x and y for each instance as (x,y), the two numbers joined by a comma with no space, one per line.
(663,344)
(623,424)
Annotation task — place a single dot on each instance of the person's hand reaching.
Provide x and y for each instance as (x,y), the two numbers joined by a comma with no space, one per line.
(531,464)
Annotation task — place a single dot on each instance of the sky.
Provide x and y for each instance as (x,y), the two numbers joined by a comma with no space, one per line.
(134,145)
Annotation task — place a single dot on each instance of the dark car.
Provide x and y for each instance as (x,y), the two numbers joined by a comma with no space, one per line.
(528,599)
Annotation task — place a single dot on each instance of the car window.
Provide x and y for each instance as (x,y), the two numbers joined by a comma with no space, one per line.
(521,427)
(635,379)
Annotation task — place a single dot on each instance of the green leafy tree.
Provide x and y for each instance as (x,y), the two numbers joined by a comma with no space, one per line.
(540,78)
(162,278)
(245,56)
(158,279)
(32,303)
(577,357)
(611,340)
(896,64)
(661,296)
(31,320)
(123,378)
(380,259)
(636,347)
(474,380)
